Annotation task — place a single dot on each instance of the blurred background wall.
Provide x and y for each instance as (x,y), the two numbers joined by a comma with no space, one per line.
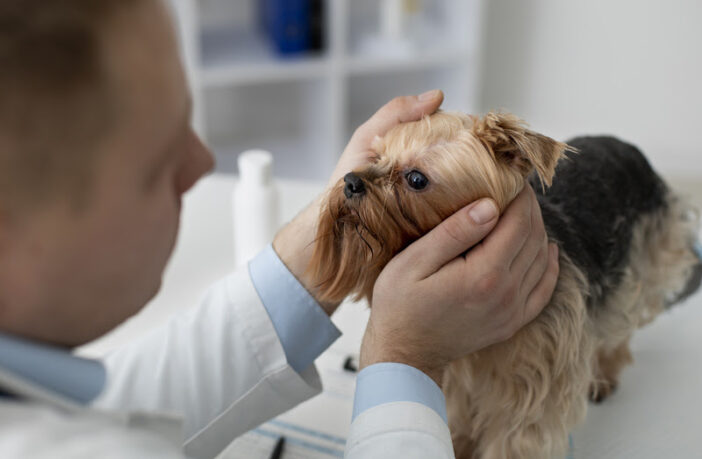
(627,67)
(624,67)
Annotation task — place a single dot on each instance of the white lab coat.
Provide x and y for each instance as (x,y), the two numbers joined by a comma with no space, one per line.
(193,385)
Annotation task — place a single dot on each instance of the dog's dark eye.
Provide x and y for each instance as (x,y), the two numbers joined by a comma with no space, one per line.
(416,180)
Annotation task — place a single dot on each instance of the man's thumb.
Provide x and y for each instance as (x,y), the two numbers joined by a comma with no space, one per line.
(453,236)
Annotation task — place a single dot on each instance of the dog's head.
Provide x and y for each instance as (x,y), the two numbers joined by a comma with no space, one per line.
(422,172)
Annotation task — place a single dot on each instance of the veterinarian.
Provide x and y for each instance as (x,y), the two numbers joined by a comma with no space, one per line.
(96,151)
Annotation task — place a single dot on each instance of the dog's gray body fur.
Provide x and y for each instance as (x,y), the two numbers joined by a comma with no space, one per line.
(598,197)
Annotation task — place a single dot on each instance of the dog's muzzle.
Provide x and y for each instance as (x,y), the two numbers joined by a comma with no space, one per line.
(354,186)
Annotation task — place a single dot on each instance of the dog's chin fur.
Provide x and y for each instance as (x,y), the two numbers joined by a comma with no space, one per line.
(520,398)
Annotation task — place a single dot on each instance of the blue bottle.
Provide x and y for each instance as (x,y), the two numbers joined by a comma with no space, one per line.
(287,24)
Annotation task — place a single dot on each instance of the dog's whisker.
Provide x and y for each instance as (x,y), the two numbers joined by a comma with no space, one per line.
(360,235)
(367,230)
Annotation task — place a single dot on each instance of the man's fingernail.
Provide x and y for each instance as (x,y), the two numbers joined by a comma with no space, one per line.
(433,94)
(483,211)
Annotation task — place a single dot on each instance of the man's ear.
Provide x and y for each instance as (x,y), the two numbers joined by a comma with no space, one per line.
(508,139)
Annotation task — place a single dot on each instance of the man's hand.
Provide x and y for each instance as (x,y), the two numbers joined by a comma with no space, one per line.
(399,110)
(431,305)
(295,242)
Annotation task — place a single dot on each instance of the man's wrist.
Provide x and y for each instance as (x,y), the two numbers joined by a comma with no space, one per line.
(294,244)
(374,350)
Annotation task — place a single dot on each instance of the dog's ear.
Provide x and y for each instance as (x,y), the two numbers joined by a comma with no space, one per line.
(508,139)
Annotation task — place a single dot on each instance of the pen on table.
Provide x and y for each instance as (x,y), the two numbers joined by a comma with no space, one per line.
(349,365)
(278,450)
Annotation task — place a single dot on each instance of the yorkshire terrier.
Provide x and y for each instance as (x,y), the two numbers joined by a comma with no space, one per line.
(626,253)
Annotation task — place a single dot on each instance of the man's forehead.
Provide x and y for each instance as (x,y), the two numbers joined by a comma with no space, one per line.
(143,65)
(141,44)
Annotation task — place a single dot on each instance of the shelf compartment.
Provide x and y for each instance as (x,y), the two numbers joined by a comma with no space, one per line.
(359,65)
(426,27)
(290,119)
(231,57)
(366,93)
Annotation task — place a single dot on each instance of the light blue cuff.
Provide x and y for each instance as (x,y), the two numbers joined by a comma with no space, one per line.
(698,249)
(304,329)
(395,382)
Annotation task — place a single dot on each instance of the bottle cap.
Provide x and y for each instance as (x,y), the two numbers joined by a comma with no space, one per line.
(255,167)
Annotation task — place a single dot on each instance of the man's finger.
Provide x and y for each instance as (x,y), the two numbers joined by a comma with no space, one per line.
(533,273)
(506,242)
(404,109)
(541,295)
(399,110)
(452,237)
(535,242)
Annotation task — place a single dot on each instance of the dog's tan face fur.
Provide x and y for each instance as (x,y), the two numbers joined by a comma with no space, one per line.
(463,158)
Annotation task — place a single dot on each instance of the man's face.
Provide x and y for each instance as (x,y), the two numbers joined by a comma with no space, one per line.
(77,275)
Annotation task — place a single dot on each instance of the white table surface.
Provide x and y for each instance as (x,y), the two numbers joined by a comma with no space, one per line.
(656,413)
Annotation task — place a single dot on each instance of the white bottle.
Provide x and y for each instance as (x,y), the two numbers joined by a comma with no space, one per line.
(392,20)
(255,205)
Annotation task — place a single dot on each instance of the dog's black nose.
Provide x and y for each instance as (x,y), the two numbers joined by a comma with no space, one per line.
(354,185)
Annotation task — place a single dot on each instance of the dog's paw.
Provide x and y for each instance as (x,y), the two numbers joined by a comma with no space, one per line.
(600,390)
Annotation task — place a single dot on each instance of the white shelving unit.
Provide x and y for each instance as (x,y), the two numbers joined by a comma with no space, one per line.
(304,109)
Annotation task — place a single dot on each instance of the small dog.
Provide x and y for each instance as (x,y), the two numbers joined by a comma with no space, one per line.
(626,253)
